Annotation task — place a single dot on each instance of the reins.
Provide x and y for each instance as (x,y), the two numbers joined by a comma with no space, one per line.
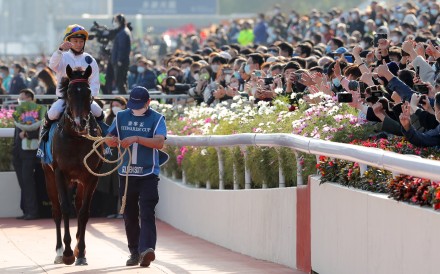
(97,142)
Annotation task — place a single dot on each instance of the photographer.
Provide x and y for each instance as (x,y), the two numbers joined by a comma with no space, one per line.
(172,84)
(121,52)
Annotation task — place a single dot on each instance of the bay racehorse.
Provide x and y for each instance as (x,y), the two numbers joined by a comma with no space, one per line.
(69,146)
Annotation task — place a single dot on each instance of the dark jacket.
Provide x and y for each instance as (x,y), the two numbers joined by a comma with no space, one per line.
(147,79)
(122,47)
(17,84)
(430,138)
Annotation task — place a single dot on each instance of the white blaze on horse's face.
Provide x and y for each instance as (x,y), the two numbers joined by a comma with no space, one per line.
(77,121)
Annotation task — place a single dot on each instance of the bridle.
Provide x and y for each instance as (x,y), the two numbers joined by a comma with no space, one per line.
(66,112)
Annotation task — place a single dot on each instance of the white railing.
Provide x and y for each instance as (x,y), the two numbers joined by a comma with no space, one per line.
(394,162)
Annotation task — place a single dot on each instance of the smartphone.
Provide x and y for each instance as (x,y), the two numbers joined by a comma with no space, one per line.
(227,71)
(353,85)
(345,97)
(418,71)
(377,37)
(258,73)
(349,57)
(421,88)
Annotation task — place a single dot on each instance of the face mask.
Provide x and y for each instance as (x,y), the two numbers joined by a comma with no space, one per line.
(323,29)
(404,33)
(434,12)
(293,18)
(139,112)
(378,22)
(339,33)
(116,110)
(196,77)
(354,17)
(2,75)
(421,25)
(214,68)
(228,78)
(11,71)
(399,16)
(19,101)
(395,39)
(233,85)
(237,75)
(140,69)
(391,27)
(366,29)
(336,82)
(247,69)
(115,24)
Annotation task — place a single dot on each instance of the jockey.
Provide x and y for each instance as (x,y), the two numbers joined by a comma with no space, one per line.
(71,52)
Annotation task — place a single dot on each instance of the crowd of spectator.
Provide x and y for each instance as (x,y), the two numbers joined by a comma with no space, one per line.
(383,61)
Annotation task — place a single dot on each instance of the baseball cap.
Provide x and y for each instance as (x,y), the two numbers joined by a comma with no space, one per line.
(139,96)
(340,50)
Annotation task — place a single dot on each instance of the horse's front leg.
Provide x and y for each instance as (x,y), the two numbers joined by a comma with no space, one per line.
(60,179)
(83,218)
(52,192)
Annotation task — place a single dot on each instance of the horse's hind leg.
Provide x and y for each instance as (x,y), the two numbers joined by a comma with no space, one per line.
(68,257)
(83,218)
(56,210)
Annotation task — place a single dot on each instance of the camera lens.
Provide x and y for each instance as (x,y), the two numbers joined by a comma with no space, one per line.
(171,81)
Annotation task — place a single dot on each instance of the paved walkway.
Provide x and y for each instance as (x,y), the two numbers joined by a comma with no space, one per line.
(29,247)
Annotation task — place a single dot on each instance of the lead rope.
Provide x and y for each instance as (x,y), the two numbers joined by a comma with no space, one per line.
(97,142)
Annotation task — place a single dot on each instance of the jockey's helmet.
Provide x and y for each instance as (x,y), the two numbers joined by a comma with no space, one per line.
(75,31)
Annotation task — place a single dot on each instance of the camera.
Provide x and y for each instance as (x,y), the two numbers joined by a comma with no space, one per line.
(345,97)
(295,77)
(171,81)
(421,88)
(268,81)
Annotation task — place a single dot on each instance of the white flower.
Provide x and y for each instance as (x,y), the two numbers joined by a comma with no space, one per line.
(204,152)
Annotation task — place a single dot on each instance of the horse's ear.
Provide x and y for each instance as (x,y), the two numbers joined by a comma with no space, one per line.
(69,71)
(88,72)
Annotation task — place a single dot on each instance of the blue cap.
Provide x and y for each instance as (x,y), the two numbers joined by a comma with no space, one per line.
(139,96)
(340,50)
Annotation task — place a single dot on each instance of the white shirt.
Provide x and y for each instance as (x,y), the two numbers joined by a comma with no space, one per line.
(59,61)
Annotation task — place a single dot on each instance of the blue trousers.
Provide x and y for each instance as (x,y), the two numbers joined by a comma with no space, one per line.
(139,214)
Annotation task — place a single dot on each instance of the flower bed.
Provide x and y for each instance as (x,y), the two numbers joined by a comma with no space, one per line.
(6,121)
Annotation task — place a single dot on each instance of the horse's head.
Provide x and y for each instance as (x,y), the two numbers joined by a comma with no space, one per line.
(78,98)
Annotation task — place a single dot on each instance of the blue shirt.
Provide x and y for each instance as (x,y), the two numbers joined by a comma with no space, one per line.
(144,160)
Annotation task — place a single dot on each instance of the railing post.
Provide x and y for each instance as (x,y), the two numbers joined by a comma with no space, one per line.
(183,177)
(281,177)
(247,172)
(221,169)
(208,185)
(299,177)
(234,175)
(264,185)
(363,168)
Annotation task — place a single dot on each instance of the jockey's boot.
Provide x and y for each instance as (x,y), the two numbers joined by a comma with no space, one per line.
(47,123)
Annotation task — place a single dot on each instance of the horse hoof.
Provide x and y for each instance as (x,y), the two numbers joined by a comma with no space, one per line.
(68,260)
(81,261)
(58,260)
